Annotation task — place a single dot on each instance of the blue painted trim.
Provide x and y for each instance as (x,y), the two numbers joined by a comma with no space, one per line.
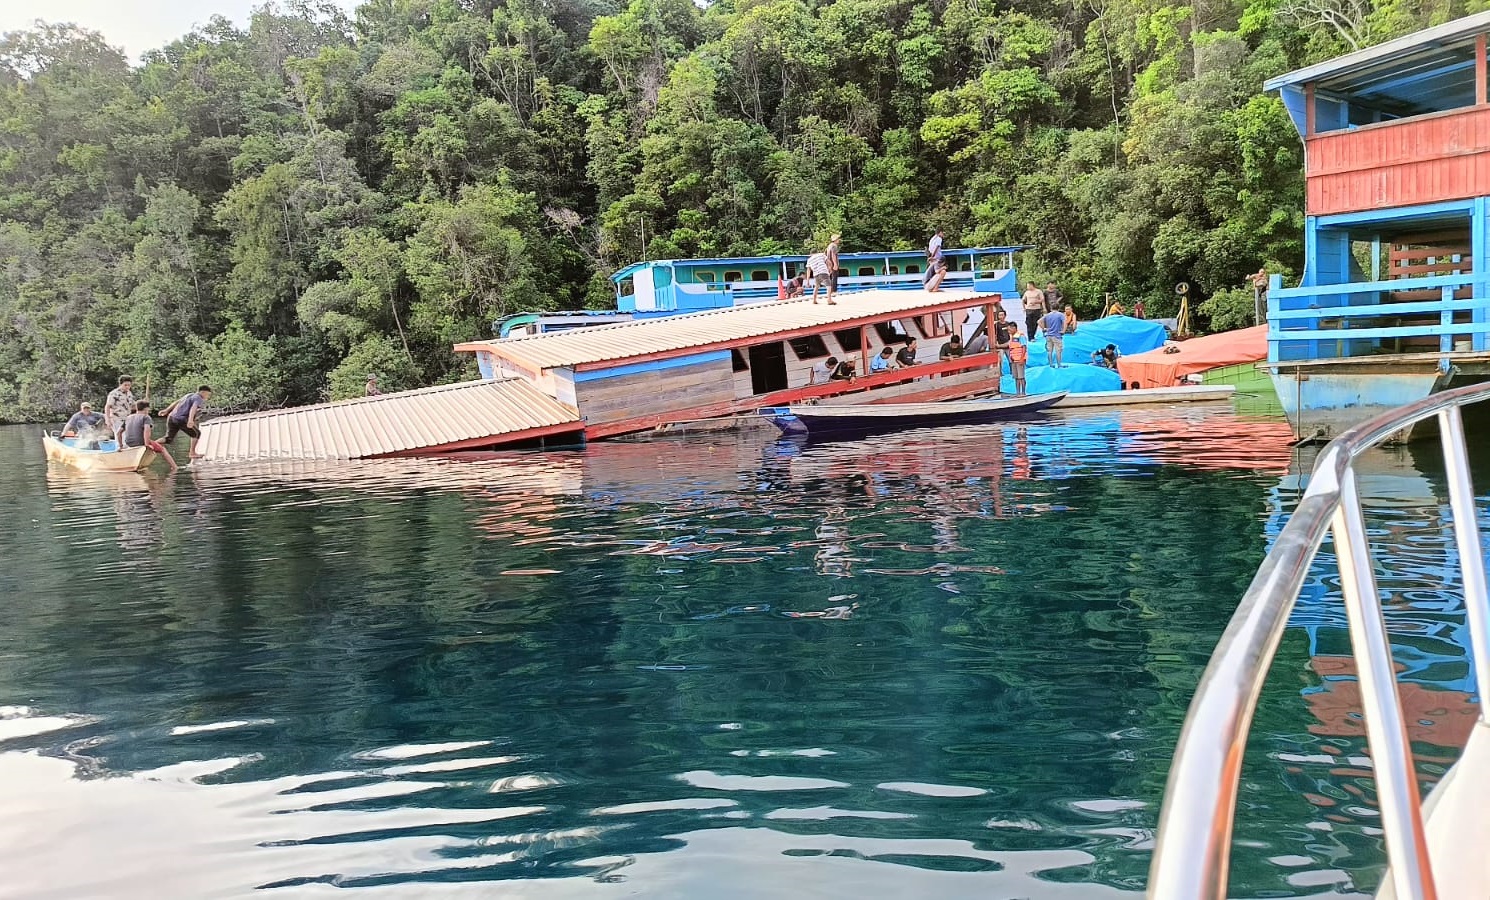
(1380,309)
(1396,213)
(1477,249)
(656,365)
(1362,287)
(1335,334)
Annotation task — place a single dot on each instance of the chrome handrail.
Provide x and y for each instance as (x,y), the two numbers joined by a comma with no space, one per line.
(1193,848)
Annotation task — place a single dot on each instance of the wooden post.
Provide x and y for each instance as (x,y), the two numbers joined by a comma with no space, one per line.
(1479,70)
(864,349)
(1309,110)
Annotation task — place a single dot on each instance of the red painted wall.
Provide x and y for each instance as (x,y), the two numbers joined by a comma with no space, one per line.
(1445,156)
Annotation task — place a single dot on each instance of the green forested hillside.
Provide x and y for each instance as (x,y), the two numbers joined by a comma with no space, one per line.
(283,209)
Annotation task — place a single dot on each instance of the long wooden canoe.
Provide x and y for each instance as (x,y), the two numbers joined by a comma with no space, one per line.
(868,418)
(131,459)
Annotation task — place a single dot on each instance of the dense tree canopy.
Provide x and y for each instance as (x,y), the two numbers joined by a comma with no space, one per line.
(282,209)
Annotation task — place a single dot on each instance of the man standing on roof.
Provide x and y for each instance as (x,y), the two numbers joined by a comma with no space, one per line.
(933,256)
(831,253)
(817,264)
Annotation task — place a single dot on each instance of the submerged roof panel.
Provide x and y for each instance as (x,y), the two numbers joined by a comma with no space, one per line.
(406,421)
(677,335)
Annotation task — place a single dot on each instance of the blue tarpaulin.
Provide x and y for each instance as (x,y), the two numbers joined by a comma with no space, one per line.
(1129,334)
(1074,379)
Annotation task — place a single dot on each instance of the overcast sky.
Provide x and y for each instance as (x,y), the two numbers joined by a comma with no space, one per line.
(135,25)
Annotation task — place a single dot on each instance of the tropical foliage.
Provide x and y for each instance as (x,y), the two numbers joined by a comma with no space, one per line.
(281,209)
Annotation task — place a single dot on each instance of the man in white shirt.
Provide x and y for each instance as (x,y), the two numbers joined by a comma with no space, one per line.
(933,256)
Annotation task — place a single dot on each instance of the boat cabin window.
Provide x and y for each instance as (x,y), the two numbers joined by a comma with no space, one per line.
(912,269)
(894,270)
(702,277)
(809,347)
(842,272)
(737,361)
(759,275)
(889,333)
(626,288)
(731,277)
(866,271)
(849,339)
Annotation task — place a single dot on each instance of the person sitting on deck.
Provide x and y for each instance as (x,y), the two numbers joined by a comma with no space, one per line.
(844,371)
(882,362)
(952,348)
(137,433)
(979,343)
(934,284)
(797,286)
(1107,357)
(371,390)
(823,371)
(905,357)
(1070,327)
(82,421)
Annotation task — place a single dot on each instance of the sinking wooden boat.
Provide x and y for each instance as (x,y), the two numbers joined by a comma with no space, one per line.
(80,454)
(868,418)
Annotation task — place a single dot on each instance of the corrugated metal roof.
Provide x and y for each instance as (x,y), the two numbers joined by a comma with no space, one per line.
(392,423)
(677,335)
(1399,52)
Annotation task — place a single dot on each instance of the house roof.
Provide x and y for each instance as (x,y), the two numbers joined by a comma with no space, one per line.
(1408,62)
(716,329)
(446,416)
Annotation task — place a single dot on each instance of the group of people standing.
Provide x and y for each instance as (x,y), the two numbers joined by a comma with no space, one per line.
(128,423)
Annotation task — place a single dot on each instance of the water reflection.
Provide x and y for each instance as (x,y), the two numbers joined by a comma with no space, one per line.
(946,663)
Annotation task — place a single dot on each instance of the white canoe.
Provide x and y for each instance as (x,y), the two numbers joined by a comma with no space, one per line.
(108,460)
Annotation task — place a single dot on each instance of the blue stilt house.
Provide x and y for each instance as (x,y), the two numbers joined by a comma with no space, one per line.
(1391,306)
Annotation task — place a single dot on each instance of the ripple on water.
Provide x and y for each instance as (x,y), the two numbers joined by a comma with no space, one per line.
(932,664)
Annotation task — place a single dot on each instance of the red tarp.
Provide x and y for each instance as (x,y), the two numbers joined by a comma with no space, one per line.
(1229,348)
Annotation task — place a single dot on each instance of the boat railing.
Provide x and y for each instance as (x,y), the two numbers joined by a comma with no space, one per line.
(1193,849)
(1354,319)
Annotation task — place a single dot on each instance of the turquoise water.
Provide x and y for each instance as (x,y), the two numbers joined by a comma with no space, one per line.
(947,664)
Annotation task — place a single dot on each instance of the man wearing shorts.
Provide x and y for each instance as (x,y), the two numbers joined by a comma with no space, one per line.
(817,264)
(182,416)
(1054,324)
(136,432)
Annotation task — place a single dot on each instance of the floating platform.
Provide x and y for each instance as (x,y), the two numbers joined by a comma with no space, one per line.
(1195,394)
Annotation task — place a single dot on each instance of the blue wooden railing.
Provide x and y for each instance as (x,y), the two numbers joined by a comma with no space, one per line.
(1335,321)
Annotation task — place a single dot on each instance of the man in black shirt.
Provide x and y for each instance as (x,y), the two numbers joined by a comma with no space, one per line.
(907,355)
(952,348)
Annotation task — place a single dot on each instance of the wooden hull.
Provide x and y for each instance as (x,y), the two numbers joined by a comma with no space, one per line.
(130,460)
(844,421)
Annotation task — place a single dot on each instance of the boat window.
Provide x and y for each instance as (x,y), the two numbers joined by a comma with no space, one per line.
(842,272)
(849,339)
(866,271)
(628,287)
(730,277)
(809,347)
(912,269)
(759,275)
(888,333)
(737,361)
(702,276)
(894,270)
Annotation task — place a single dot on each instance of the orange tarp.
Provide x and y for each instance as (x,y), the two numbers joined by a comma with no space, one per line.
(1229,348)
